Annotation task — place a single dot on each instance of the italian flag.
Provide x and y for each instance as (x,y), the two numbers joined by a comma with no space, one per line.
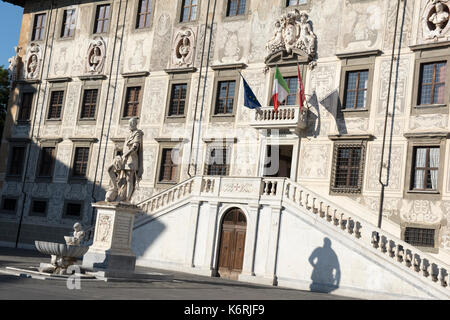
(280,89)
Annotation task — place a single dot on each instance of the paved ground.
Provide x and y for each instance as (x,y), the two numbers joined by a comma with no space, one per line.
(183,287)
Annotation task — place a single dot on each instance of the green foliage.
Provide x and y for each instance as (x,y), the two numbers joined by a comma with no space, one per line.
(4,96)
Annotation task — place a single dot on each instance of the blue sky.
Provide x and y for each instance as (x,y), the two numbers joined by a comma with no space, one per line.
(10,21)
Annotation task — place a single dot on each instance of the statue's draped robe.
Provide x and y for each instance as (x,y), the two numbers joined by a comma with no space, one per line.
(134,162)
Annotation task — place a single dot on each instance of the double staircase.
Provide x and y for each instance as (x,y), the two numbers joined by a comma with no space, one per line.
(259,191)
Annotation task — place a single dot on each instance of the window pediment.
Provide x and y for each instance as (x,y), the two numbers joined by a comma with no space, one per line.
(281,57)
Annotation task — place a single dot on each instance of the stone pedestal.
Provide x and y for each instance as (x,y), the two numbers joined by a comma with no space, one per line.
(110,253)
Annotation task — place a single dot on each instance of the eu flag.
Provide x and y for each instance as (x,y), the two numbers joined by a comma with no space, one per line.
(250,100)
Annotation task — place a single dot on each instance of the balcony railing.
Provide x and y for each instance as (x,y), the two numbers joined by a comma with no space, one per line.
(286,117)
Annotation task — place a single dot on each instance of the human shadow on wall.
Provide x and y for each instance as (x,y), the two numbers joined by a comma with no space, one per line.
(326,274)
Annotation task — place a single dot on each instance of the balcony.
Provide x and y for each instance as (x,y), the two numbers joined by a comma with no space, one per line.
(286,117)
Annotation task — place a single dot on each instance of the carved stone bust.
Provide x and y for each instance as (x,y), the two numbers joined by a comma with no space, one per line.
(32,61)
(12,68)
(435,19)
(183,48)
(96,56)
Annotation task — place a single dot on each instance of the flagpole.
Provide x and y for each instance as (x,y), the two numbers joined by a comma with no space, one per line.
(383,185)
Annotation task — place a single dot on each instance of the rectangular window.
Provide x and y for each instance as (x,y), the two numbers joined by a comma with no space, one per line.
(46,162)
(102,18)
(235,7)
(9,205)
(16,161)
(56,104)
(291,99)
(168,169)
(73,210)
(356,89)
(25,107)
(347,169)
(432,83)
(419,237)
(177,99)
(225,97)
(144,14)
(426,168)
(217,164)
(89,104)
(38,208)
(38,27)
(132,102)
(189,10)
(80,162)
(68,25)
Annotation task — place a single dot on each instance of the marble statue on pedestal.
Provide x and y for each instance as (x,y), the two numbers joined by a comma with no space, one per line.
(126,170)
(12,68)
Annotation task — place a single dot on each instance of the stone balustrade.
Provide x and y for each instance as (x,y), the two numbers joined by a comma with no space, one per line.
(283,190)
(400,251)
(286,117)
(168,197)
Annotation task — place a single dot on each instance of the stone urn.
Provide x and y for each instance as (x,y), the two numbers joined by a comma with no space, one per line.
(62,256)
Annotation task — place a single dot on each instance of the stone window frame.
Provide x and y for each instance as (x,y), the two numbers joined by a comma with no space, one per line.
(89,86)
(427,54)
(350,141)
(227,72)
(46,27)
(57,84)
(180,10)
(16,142)
(94,14)
(64,213)
(356,61)
(46,143)
(437,231)
(432,139)
(287,70)
(81,143)
(9,213)
(178,78)
(301,6)
(219,143)
(132,80)
(280,140)
(60,22)
(168,143)
(31,213)
(135,10)
(25,89)
(243,16)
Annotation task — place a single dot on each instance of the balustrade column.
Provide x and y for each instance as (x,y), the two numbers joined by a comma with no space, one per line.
(272,249)
(212,237)
(250,243)
(192,233)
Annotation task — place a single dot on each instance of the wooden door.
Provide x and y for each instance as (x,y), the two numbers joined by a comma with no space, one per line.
(232,242)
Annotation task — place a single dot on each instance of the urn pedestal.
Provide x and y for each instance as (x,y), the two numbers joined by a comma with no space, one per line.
(110,253)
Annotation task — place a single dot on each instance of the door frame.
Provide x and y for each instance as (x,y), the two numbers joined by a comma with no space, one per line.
(281,140)
(218,238)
